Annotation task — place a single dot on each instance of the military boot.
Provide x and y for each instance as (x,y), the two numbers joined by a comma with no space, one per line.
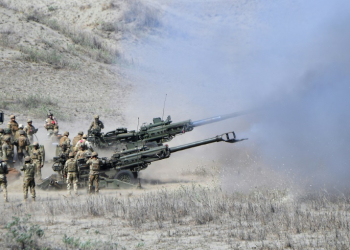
(33,199)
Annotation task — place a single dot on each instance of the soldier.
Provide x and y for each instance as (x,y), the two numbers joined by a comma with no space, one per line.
(30,130)
(81,154)
(76,139)
(37,158)
(84,143)
(94,164)
(71,169)
(65,143)
(96,125)
(22,144)
(3,181)
(13,125)
(20,128)
(7,151)
(50,124)
(28,180)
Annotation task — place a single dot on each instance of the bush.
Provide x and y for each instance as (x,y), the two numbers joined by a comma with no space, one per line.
(24,233)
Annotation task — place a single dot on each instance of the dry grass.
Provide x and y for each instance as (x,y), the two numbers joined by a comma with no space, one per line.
(268,219)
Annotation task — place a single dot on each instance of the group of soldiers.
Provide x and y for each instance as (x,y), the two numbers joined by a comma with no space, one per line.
(21,138)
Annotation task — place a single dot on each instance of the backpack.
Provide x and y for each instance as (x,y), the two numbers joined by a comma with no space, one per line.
(72,166)
(22,142)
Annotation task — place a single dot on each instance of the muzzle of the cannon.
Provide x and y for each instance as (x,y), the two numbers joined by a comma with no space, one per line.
(217,118)
(229,137)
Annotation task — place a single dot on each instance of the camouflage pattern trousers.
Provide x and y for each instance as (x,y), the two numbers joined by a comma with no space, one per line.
(28,183)
(3,183)
(92,178)
(37,169)
(72,178)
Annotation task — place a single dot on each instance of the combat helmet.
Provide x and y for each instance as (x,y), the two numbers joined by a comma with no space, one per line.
(80,133)
(96,116)
(29,120)
(21,132)
(12,117)
(36,144)
(27,159)
(94,154)
(66,133)
(84,136)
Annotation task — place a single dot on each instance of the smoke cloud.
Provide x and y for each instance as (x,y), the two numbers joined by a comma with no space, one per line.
(288,60)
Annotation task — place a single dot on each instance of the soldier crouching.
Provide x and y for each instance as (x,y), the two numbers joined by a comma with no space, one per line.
(71,169)
(94,175)
(3,181)
(28,180)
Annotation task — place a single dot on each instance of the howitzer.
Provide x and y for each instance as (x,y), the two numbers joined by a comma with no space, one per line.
(122,168)
(159,131)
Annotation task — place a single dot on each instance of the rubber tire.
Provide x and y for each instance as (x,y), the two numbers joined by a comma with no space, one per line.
(126,176)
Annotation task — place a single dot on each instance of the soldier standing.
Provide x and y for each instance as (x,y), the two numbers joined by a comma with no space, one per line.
(3,181)
(76,139)
(20,128)
(7,151)
(81,153)
(71,169)
(13,125)
(50,124)
(30,130)
(28,180)
(84,143)
(22,144)
(65,143)
(94,174)
(96,125)
(37,158)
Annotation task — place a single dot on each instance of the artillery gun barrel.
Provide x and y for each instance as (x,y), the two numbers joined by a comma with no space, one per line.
(217,118)
(229,137)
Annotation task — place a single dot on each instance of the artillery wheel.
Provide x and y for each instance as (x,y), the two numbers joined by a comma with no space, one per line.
(125,176)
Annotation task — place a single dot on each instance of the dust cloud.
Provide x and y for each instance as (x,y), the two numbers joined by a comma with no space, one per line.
(288,60)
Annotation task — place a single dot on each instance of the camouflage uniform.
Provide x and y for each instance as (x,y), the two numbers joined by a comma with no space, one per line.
(28,180)
(30,131)
(85,144)
(7,152)
(94,175)
(51,124)
(65,143)
(3,180)
(13,126)
(22,144)
(96,125)
(71,169)
(37,159)
(76,139)
(20,128)
(81,154)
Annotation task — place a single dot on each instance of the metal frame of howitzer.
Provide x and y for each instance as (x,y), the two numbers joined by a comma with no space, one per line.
(123,167)
(159,132)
